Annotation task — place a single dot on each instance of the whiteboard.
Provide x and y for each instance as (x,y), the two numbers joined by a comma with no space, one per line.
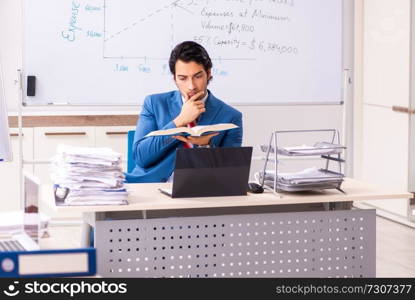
(97,52)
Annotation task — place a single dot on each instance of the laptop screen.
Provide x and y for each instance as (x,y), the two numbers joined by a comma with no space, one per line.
(211,172)
(31,219)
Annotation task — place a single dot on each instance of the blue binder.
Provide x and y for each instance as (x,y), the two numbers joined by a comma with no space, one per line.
(37,263)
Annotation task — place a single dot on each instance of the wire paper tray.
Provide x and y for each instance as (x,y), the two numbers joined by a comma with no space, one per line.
(307,179)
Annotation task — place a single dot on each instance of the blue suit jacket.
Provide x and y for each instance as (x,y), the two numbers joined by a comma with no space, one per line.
(155,156)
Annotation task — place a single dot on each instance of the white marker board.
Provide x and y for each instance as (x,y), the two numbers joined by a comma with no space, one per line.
(111,52)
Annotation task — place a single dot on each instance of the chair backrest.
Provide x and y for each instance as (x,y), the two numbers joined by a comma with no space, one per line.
(130,157)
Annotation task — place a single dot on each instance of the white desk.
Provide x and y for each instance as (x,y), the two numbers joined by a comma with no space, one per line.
(259,235)
(148,197)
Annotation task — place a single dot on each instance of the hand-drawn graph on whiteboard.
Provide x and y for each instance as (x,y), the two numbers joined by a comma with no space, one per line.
(116,52)
(160,25)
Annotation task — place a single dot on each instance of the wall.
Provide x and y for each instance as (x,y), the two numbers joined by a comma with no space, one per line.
(259,121)
(11,48)
(386,84)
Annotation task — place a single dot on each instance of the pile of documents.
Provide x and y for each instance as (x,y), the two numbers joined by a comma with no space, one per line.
(88,176)
(11,222)
(307,179)
(320,148)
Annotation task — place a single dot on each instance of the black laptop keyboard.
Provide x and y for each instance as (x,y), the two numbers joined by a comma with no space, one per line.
(10,245)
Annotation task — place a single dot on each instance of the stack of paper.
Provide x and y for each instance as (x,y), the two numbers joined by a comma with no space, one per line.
(308,176)
(11,222)
(320,148)
(307,179)
(91,176)
(305,176)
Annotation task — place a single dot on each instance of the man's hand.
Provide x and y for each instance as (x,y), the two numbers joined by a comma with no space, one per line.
(196,140)
(191,110)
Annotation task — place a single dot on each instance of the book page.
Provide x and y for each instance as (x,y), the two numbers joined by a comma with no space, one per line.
(170,131)
(194,131)
(199,130)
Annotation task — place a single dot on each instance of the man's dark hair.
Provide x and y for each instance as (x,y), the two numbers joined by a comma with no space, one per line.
(189,51)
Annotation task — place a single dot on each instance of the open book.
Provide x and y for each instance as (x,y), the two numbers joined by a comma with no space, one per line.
(194,131)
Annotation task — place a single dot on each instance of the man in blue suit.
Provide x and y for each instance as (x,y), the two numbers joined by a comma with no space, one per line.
(193,103)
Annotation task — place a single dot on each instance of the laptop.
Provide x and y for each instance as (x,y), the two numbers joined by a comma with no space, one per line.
(210,172)
(26,238)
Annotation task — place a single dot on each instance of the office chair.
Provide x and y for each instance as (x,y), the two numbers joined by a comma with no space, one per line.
(130,157)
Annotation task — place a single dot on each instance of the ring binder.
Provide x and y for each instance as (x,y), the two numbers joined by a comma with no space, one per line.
(48,263)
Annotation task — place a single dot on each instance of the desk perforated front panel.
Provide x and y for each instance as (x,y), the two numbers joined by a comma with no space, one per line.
(301,244)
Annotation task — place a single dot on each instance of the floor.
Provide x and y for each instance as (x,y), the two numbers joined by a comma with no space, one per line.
(395,254)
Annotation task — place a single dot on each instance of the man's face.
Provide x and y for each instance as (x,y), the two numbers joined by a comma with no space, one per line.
(191,78)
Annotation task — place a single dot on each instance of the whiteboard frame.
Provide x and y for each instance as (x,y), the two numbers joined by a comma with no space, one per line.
(347,67)
(349,24)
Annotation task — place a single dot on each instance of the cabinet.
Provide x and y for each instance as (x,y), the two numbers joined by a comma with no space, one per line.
(114,137)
